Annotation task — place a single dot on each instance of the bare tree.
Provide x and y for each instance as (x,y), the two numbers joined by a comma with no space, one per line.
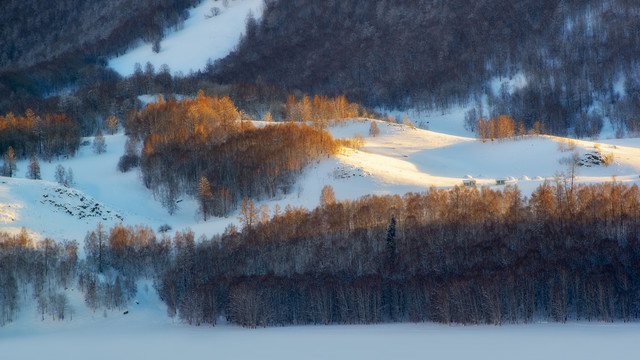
(248,214)
(204,197)
(327,196)
(9,166)
(99,145)
(34,168)
(112,124)
(373,129)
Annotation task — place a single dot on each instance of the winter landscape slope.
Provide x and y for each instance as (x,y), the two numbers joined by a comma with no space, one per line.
(398,160)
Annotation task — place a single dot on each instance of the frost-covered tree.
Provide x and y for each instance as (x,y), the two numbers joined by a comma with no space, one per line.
(68,181)
(99,145)
(34,168)
(60,174)
(112,123)
(64,177)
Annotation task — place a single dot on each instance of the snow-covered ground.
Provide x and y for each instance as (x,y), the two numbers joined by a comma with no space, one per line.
(202,38)
(398,160)
(147,333)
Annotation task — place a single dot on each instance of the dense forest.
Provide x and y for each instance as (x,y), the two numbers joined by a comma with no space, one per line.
(464,255)
(577,58)
(443,53)
(62,40)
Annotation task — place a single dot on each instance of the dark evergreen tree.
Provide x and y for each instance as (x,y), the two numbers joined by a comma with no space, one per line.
(391,242)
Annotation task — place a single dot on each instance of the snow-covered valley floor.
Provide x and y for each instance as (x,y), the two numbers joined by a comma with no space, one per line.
(147,333)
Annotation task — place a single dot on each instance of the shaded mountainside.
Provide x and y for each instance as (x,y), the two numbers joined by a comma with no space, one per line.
(383,50)
(576,60)
(57,36)
(439,53)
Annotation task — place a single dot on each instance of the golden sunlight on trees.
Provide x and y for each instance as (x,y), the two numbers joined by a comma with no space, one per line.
(99,144)
(204,197)
(320,112)
(502,127)
(186,140)
(469,256)
(374,130)
(112,124)
(9,166)
(50,135)
(327,196)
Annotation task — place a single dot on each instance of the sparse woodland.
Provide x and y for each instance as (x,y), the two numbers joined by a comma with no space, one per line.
(40,269)
(184,141)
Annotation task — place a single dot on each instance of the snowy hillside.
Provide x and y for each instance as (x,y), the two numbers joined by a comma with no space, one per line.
(203,38)
(398,160)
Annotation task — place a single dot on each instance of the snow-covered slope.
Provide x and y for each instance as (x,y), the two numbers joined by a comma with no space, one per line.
(414,159)
(202,38)
(399,160)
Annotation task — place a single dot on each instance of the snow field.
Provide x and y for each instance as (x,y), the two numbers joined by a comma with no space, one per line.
(400,159)
(200,40)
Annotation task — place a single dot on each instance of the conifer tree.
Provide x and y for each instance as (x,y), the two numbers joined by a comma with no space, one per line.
(391,241)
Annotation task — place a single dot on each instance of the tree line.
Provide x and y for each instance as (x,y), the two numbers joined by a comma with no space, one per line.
(463,255)
(574,56)
(50,46)
(577,59)
(501,127)
(470,256)
(36,271)
(466,256)
(49,135)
